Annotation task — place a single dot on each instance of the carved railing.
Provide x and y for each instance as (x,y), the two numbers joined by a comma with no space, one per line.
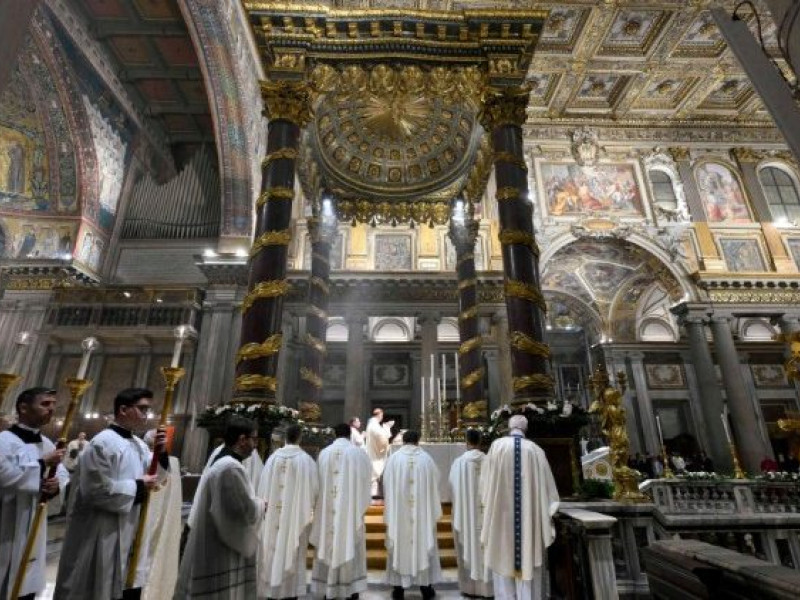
(724,497)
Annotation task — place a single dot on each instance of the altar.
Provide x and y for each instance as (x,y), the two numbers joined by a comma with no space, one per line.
(443,454)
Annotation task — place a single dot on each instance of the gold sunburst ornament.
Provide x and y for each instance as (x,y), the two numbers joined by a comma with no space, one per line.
(398,117)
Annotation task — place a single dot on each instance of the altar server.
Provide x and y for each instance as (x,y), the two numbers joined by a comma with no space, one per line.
(220,557)
(520,498)
(474,577)
(289,485)
(110,483)
(412,507)
(340,559)
(25,458)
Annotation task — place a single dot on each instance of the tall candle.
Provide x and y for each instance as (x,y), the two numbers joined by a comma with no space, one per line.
(724,417)
(458,377)
(660,434)
(422,397)
(176,353)
(444,377)
(23,339)
(439,400)
(89,345)
(432,374)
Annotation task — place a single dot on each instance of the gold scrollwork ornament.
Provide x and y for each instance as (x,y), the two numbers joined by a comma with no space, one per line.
(470,345)
(287,101)
(525,291)
(271,238)
(265,289)
(309,376)
(472,378)
(268,347)
(247,383)
(527,344)
(536,381)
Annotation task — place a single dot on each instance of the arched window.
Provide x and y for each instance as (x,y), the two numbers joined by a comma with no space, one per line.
(663,190)
(781,193)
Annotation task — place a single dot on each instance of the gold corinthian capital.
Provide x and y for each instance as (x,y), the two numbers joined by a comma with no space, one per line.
(288,101)
(504,106)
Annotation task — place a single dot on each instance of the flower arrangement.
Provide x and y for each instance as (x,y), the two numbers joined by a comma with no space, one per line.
(268,416)
(771,476)
(700,476)
(560,420)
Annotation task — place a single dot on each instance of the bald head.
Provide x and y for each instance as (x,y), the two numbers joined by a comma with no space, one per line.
(518,422)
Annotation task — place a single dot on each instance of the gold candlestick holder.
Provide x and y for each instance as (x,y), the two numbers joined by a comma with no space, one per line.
(7,381)
(738,473)
(433,428)
(667,474)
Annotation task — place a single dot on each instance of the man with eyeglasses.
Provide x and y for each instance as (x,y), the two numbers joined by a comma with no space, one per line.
(111,484)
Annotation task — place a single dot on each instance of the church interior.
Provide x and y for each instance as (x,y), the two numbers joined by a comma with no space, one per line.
(450,210)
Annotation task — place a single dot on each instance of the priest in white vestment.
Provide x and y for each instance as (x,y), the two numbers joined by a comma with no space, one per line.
(26,456)
(378,435)
(289,485)
(109,485)
(356,437)
(474,577)
(519,498)
(220,557)
(411,510)
(338,532)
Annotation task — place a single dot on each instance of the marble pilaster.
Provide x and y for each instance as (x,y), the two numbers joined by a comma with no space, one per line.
(743,410)
(355,401)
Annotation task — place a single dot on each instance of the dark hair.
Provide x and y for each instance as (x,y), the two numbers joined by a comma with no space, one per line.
(411,437)
(237,426)
(342,430)
(130,396)
(29,395)
(293,433)
(353,420)
(473,437)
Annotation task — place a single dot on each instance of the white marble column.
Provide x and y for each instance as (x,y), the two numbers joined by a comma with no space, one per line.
(695,402)
(355,401)
(745,412)
(285,380)
(647,415)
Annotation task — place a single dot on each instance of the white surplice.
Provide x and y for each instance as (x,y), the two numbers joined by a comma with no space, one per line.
(102,519)
(377,442)
(253,465)
(356,437)
(19,495)
(411,510)
(538,503)
(474,577)
(289,485)
(340,560)
(220,557)
(164,535)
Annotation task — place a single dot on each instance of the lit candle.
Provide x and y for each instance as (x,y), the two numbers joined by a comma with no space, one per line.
(444,378)
(724,417)
(458,377)
(660,434)
(182,332)
(422,397)
(433,370)
(89,345)
(23,339)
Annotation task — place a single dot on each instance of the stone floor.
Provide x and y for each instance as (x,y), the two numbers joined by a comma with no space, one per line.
(447,590)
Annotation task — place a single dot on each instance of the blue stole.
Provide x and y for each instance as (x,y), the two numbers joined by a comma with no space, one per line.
(517,504)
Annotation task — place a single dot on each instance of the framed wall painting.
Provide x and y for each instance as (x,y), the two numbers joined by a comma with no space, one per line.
(572,190)
(393,253)
(742,254)
(721,194)
(665,376)
(769,376)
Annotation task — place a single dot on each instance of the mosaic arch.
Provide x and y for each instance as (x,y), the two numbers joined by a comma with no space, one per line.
(606,279)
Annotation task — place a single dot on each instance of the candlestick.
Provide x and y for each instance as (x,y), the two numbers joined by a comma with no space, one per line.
(23,339)
(660,434)
(725,426)
(667,474)
(444,378)
(458,377)
(423,424)
(182,333)
(89,345)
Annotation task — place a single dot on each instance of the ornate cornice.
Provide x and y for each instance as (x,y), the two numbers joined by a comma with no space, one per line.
(47,276)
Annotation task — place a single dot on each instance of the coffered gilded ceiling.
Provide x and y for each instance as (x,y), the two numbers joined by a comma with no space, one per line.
(632,62)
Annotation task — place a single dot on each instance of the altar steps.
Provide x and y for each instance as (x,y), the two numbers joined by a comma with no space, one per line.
(376,539)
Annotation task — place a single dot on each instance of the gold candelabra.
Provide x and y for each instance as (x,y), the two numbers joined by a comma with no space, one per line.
(738,473)
(667,473)
(7,382)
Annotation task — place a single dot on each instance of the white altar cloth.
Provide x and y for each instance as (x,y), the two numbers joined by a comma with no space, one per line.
(443,454)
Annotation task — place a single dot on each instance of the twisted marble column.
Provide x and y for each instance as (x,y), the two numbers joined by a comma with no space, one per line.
(503,115)
(288,107)
(322,232)
(463,234)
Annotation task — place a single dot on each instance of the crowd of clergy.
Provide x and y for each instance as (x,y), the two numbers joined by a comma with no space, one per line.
(251,523)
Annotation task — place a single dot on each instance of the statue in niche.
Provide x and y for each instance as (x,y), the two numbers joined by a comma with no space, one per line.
(585,147)
(15,178)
